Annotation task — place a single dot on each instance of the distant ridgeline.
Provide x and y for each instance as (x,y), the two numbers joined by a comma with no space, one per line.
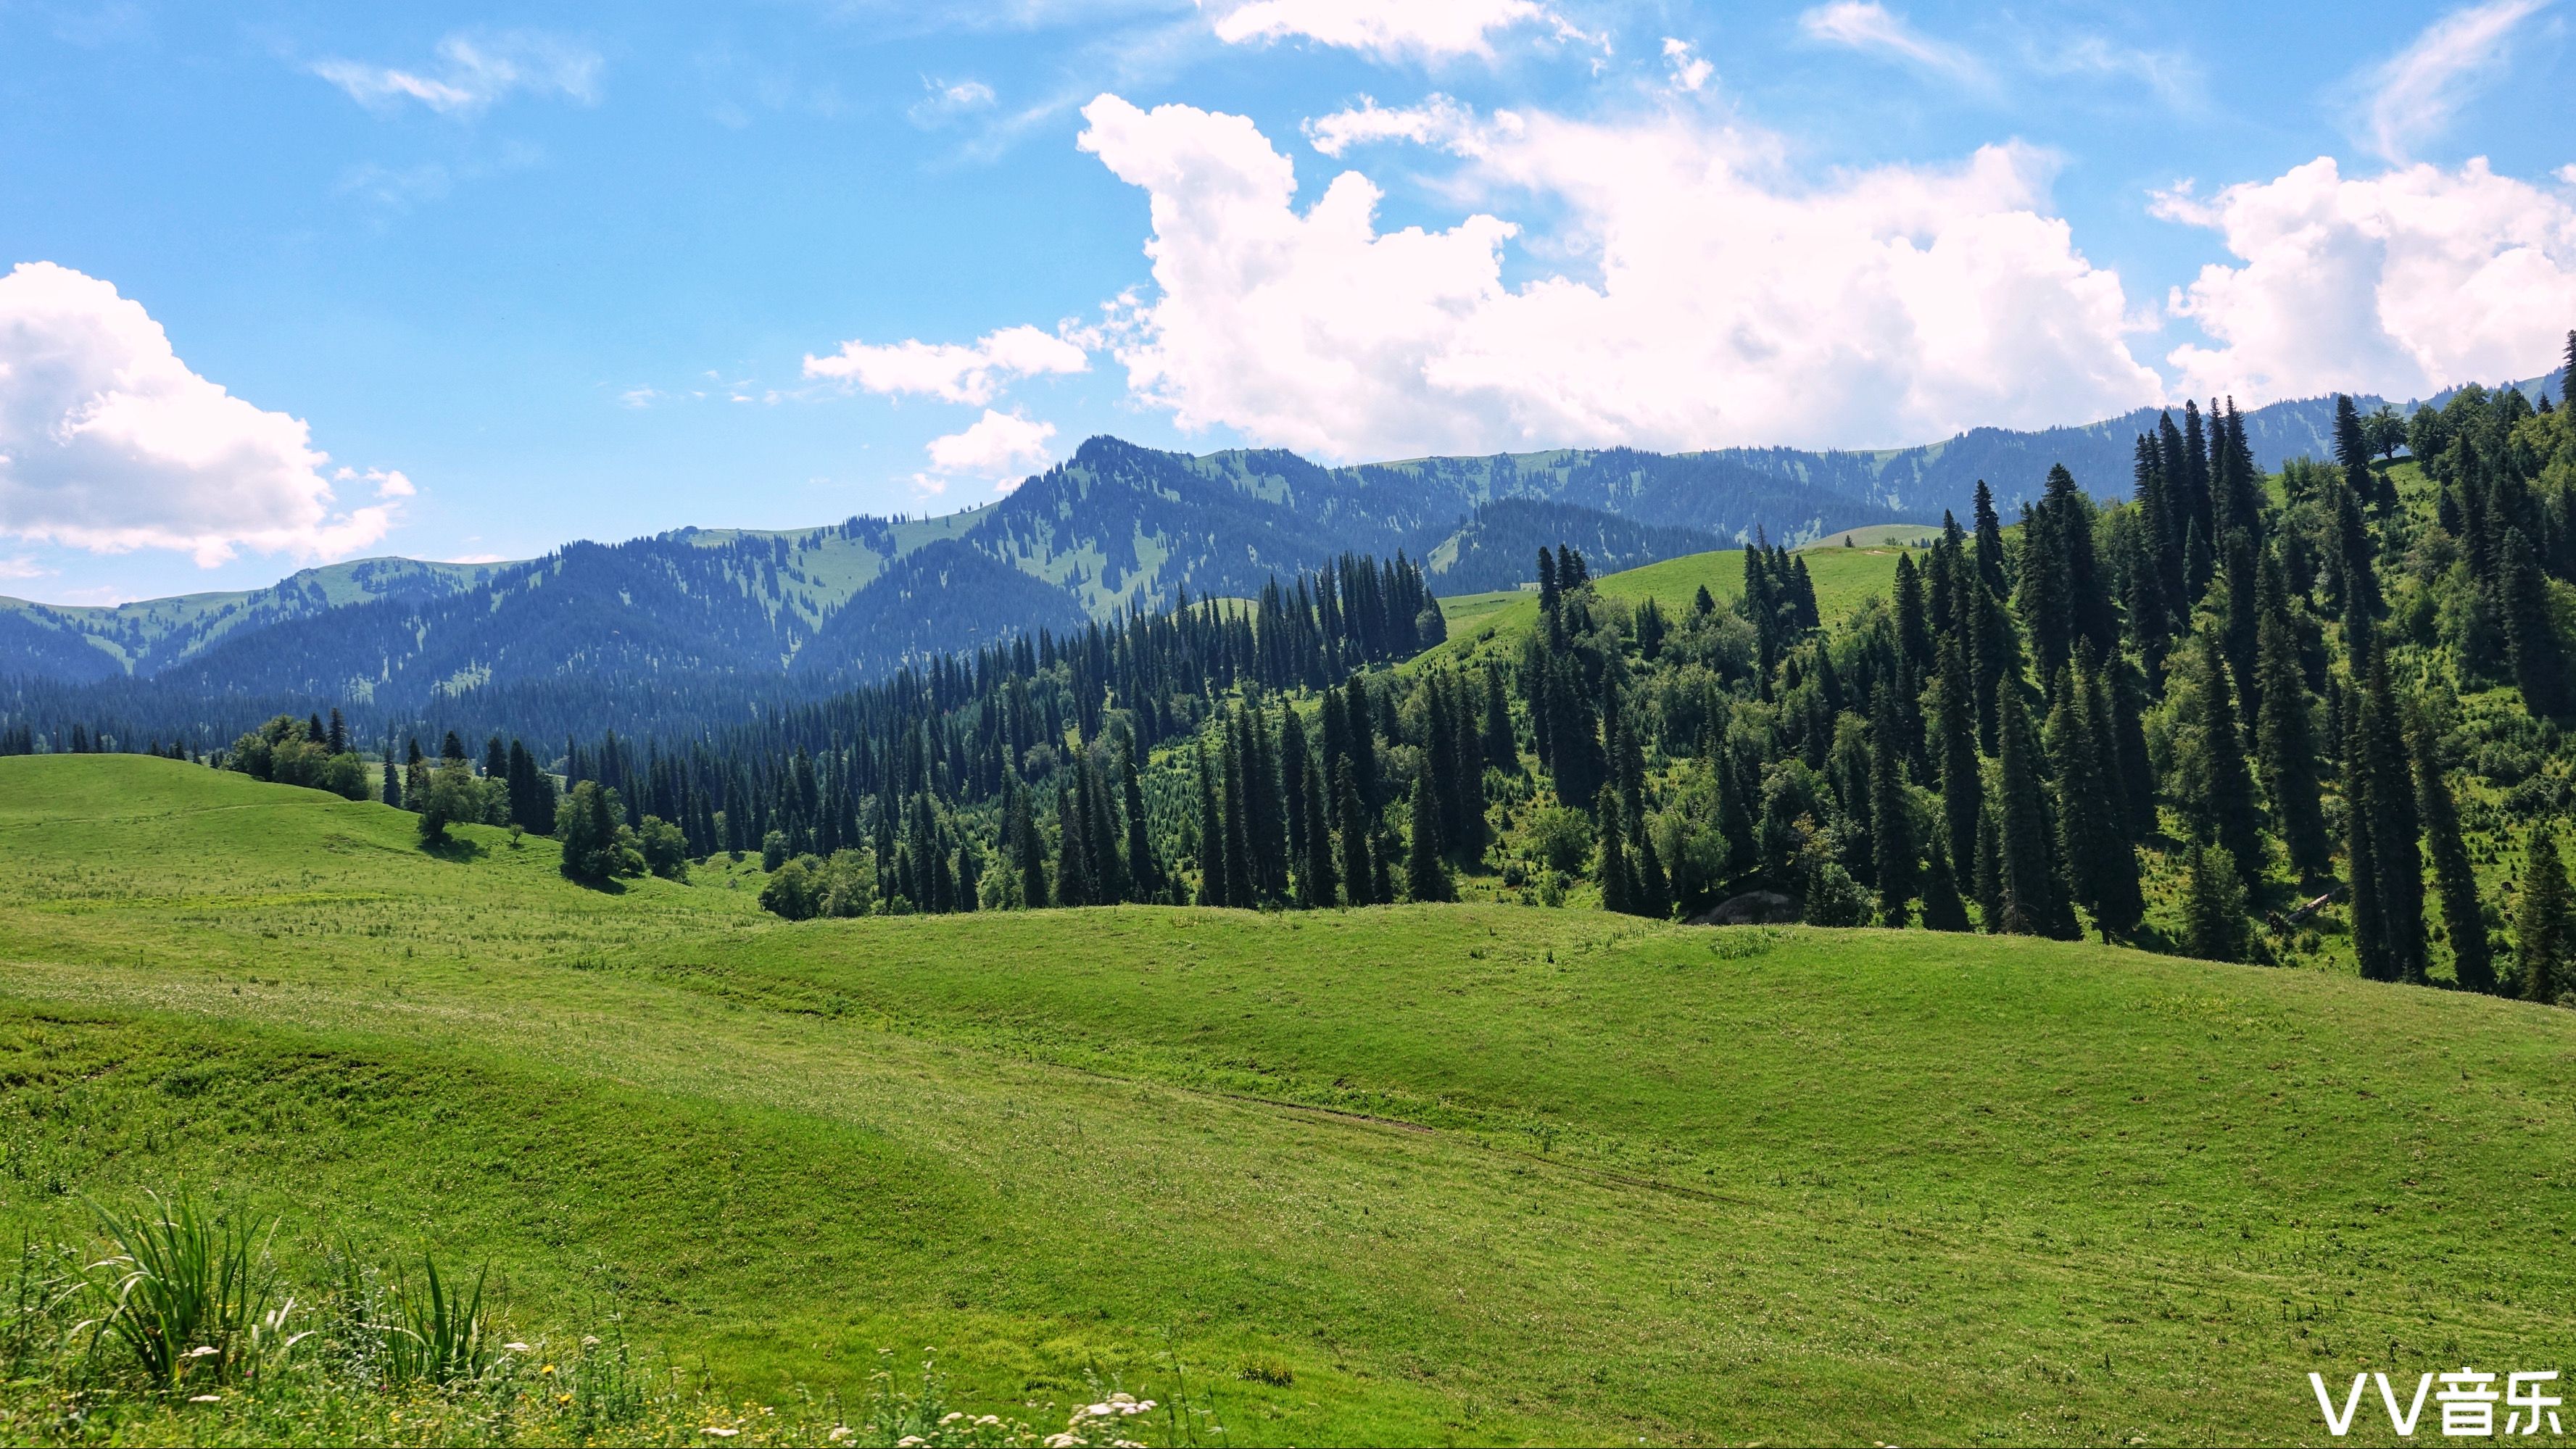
(699,629)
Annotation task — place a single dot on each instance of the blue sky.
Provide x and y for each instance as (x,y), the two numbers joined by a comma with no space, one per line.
(472,283)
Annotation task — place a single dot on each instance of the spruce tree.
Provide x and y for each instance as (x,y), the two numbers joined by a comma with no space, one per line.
(1990,544)
(1213,887)
(2388,800)
(1962,772)
(1502,750)
(2285,738)
(2541,927)
(2463,913)
(1891,814)
(1426,876)
(1359,872)
(2531,631)
(1654,884)
(1030,852)
(1618,887)
(1242,890)
(1144,873)
(1990,872)
(1942,908)
(2032,878)
(2213,907)
(2224,806)
(1072,870)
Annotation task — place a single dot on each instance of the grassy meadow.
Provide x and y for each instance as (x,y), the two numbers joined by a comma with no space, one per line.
(1844,577)
(1417,1174)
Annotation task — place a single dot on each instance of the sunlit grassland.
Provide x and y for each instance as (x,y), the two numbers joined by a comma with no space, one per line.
(1844,578)
(1481,1172)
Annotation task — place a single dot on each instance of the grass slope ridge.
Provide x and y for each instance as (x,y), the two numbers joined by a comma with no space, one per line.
(1470,1173)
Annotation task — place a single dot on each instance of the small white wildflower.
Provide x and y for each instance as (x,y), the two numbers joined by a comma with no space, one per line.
(839,1431)
(204,1350)
(1062,1441)
(910,1441)
(719,1433)
(516,1347)
(590,1340)
(951,1417)
(206,1399)
(989,1422)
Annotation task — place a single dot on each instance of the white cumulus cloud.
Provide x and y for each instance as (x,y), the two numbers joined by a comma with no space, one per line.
(1729,303)
(109,442)
(1427,29)
(473,72)
(946,370)
(2400,284)
(995,445)
(2413,94)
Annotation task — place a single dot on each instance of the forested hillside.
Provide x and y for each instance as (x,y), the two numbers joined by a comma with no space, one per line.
(698,629)
(2306,716)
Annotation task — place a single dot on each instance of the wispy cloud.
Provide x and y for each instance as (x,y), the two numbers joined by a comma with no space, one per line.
(473,72)
(947,100)
(2412,96)
(1865,25)
(1690,69)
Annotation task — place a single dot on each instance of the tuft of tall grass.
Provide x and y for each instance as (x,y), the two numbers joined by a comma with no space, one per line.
(407,1332)
(190,1294)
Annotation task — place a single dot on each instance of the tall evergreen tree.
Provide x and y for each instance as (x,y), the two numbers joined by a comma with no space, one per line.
(1144,873)
(1618,883)
(2213,907)
(1891,814)
(1359,871)
(2285,738)
(2531,631)
(1214,889)
(2542,927)
(1242,889)
(1426,876)
(1962,778)
(2223,803)
(1029,852)
(1942,908)
(1990,544)
(2463,914)
(2380,803)
(2033,880)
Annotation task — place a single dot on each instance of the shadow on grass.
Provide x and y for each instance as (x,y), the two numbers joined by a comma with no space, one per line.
(453,848)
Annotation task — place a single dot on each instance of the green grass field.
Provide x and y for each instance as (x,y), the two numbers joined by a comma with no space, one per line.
(1466,1174)
(1844,578)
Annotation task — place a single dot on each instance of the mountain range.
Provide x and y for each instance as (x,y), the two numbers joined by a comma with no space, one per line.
(696,622)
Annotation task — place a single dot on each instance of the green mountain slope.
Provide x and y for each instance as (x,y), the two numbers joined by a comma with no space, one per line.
(1467,1173)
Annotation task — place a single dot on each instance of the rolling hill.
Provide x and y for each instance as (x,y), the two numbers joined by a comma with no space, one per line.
(1472,1173)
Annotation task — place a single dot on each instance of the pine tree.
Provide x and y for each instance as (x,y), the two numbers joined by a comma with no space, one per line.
(2032,878)
(2224,806)
(1963,801)
(1618,887)
(2463,914)
(2531,631)
(1654,885)
(1144,873)
(1241,889)
(1942,908)
(2387,798)
(1029,850)
(2213,908)
(1891,814)
(1426,876)
(1502,750)
(1358,870)
(1990,872)
(1990,544)
(2541,927)
(2101,863)
(1214,890)
(1072,871)
(2285,740)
